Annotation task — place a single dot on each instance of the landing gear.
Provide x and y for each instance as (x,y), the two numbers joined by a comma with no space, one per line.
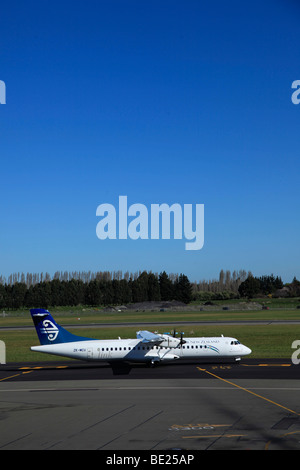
(153,363)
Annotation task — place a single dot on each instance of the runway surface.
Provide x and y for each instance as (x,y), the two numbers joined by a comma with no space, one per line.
(162,323)
(81,371)
(191,406)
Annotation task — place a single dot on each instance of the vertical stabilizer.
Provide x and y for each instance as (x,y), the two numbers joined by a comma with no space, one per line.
(50,332)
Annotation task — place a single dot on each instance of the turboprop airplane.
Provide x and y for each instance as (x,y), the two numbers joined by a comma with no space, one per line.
(148,347)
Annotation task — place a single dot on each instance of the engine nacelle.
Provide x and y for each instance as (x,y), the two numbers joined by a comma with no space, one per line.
(170,341)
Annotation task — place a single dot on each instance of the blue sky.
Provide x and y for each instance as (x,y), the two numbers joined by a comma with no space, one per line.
(165,102)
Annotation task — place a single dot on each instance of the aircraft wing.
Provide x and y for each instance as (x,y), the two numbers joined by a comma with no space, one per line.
(148,337)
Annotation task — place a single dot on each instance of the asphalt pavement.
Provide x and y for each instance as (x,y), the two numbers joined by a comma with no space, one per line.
(188,406)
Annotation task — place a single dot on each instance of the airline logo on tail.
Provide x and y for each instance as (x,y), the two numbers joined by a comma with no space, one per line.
(50,330)
(48,327)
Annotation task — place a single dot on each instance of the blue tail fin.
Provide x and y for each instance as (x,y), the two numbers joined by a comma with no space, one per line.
(49,332)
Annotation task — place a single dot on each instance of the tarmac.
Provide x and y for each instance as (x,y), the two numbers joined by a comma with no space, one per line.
(188,407)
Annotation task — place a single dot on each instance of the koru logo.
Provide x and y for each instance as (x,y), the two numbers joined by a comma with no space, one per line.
(50,329)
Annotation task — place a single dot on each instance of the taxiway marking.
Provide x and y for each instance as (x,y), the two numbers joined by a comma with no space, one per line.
(282,436)
(249,391)
(16,375)
(42,367)
(214,436)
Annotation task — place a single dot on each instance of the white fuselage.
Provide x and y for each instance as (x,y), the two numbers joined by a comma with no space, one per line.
(134,350)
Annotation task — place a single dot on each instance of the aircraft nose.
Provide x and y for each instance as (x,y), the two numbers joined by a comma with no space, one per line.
(247,350)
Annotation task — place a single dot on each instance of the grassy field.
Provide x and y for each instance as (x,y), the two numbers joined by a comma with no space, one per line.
(67,315)
(266,341)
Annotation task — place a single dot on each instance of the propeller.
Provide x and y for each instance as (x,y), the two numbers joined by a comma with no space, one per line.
(181,342)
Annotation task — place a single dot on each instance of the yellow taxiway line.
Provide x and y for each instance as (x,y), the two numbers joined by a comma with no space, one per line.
(249,391)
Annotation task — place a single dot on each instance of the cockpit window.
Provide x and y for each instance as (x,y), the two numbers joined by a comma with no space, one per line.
(235,342)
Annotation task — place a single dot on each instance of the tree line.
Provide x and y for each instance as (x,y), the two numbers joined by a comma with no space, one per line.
(268,286)
(100,290)
(114,288)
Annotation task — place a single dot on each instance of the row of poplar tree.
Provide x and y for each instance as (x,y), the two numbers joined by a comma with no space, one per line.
(98,291)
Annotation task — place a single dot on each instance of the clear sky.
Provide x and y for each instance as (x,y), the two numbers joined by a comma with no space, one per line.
(163,101)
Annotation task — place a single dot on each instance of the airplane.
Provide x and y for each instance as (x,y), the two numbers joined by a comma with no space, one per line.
(147,347)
